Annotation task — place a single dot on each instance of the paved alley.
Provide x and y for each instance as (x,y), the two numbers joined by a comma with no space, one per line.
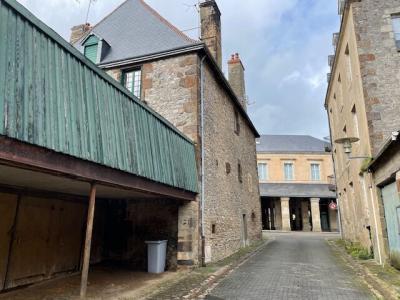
(292,266)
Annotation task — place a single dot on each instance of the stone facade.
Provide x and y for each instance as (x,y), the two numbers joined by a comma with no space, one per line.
(171,86)
(362,101)
(231,198)
(303,201)
(379,64)
(302,166)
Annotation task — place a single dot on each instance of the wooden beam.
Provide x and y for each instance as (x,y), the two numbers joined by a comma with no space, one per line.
(88,241)
(26,156)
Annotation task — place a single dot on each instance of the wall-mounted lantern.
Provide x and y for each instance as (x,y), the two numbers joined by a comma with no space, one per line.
(347,146)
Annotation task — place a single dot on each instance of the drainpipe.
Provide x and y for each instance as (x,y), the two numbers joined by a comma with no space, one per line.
(334,174)
(375,221)
(203,241)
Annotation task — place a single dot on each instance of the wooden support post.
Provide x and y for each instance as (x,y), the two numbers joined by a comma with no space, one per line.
(88,240)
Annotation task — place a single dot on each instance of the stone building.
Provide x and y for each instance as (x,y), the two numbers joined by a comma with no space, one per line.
(296,183)
(363,107)
(86,169)
(385,169)
(182,80)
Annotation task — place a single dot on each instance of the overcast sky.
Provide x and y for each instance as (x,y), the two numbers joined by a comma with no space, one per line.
(284,45)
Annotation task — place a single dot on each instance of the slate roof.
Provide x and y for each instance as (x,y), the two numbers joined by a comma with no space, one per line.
(135,29)
(291,144)
(305,190)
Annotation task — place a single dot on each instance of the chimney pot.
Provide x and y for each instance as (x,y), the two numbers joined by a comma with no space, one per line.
(236,78)
(77,32)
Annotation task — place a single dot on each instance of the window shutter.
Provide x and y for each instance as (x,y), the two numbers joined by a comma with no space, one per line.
(91,52)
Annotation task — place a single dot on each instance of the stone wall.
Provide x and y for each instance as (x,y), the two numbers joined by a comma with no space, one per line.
(363,101)
(380,64)
(122,227)
(171,86)
(230,204)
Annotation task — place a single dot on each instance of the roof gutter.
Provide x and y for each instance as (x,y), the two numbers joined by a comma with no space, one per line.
(152,56)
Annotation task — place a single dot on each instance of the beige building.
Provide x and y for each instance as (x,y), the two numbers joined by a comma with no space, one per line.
(182,80)
(296,183)
(363,103)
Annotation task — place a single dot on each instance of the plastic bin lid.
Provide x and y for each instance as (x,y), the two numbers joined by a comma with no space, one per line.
(156,242)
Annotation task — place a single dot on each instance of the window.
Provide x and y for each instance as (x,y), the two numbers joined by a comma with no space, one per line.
(288,171)
(213,228)
(227,168)
(355,121)
(90,48)
(396,29)
(133,81)
(348,62)
(315,172)
(240,176)
(263,171)
(237,123)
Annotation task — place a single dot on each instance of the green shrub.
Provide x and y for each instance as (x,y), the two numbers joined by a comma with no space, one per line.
(357,251)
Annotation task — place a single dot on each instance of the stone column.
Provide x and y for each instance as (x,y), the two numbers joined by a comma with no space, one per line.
(316,216)
(285,211)
(304,215)
(278,215)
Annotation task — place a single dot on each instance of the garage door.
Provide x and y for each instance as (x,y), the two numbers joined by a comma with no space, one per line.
(391,203)
(47,240)
(8,206)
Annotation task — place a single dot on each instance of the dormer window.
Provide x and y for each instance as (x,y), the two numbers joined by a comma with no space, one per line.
(132,80)
(91,46)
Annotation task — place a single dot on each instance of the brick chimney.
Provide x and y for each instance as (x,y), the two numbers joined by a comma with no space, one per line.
(236,78)
(78,31)
(210,16)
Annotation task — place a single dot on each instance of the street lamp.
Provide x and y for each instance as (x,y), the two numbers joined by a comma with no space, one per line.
(347,146)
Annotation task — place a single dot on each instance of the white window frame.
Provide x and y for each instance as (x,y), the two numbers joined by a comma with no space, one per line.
(312,173)
(133,81)
(265,178)
(396,30)
(292,171)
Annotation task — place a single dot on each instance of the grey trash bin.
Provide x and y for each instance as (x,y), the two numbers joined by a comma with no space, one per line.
(156,255)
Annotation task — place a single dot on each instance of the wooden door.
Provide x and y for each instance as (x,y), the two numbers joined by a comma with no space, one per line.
(47,240)
(8,207)
(66,236)
(29,251)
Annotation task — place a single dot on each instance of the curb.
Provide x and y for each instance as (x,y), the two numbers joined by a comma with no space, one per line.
(215,278)
(380,288)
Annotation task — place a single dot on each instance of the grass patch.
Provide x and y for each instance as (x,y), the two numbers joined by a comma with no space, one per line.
(355,250)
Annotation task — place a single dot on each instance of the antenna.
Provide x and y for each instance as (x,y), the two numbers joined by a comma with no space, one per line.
(88,10)
(196,6)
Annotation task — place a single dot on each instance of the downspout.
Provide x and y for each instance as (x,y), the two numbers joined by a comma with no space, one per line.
(375,221)
(203,240)
(334,174)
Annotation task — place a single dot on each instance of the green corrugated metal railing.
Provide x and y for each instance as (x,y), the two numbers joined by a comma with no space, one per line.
(51,96)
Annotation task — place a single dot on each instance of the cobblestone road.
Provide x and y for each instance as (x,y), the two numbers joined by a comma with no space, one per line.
(292,266)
